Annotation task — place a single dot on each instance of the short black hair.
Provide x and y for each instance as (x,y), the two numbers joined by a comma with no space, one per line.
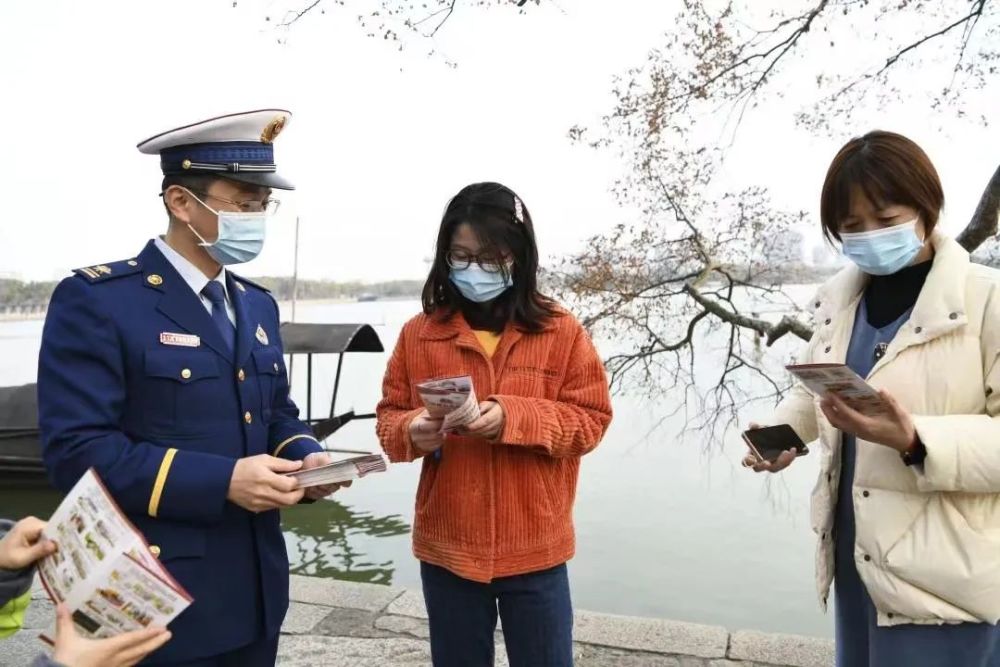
(193,182)
(502,224)
(196,183)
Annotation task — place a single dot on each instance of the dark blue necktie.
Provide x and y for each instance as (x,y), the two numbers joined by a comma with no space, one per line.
(215,293)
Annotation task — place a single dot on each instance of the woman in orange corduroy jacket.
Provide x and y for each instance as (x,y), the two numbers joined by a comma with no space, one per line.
(493,526)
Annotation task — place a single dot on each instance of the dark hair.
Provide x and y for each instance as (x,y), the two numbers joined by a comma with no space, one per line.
(502,224)
(194,182)
(889,169)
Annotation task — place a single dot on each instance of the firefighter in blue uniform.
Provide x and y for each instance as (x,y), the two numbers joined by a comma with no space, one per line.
(164,372)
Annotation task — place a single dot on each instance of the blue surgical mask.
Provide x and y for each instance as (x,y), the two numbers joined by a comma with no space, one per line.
(241,236)
(477,284)
(883,251)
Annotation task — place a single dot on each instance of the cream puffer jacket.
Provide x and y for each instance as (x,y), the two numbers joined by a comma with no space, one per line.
(928,537)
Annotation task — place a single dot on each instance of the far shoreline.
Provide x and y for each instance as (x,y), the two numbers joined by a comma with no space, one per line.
(284,306)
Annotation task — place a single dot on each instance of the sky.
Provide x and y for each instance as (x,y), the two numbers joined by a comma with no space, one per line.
(379,140)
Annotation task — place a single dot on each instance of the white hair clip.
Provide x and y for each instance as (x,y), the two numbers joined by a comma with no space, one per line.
(518,210)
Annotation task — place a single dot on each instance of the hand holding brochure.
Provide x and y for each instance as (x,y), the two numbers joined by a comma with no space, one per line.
(340,471)
(104,571)
(451,399)
(838,379)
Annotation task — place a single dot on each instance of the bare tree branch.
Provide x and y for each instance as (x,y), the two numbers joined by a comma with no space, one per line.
(973,16)
(451,9)
(786,46)
(764,328)
(299,14)
(783,46)
(788,325)
(391,15)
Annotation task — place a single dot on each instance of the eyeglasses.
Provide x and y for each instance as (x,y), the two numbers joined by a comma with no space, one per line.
(458,259)
(269,205)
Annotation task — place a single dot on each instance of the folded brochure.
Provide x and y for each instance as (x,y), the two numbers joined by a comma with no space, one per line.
(340,471)
(838,379)
(452,399)
(103,570)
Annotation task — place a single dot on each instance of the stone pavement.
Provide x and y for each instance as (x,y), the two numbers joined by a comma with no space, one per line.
(344,624)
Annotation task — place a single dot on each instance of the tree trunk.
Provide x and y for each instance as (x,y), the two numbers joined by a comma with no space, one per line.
(984,221)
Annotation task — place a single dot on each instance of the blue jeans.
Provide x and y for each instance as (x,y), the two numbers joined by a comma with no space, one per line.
(535,610)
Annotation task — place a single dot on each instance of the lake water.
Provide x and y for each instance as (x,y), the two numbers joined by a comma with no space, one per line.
(667,527)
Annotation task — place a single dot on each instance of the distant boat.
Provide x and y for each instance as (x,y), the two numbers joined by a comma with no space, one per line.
(367,296)
(20,442)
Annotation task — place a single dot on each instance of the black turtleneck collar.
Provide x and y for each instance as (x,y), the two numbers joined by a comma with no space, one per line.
(888,297)
(491,316)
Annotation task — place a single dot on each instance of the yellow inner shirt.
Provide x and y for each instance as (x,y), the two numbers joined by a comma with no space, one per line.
(489,340)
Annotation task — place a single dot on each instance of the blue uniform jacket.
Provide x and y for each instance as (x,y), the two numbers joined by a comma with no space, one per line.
(163,425)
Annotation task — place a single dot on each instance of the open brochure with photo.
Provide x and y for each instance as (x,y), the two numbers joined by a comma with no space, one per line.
(838,379)
(340,471)
(451,399)
(103,570)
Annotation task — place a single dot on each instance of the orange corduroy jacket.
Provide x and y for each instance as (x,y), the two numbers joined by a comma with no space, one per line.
(486,510)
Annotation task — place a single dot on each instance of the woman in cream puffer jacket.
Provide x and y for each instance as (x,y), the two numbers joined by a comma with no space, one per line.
(907,505)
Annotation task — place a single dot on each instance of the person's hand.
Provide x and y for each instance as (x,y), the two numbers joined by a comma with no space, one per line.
(490,423)
(425,432)
(315,460)
(784,459)
(894,429)
(258,484)
(24,544)
(123,650)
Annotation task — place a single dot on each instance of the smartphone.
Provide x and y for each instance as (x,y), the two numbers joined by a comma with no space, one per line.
(769,442)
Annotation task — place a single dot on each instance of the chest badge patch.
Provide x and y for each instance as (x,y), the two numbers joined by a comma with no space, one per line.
(179,339)
(262,335)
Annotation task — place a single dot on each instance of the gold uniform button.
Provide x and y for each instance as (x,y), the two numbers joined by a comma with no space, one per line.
(155,550)
(247,417)
(186,373)
(241,375)
(154,279)
(276,367)
(132,262)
